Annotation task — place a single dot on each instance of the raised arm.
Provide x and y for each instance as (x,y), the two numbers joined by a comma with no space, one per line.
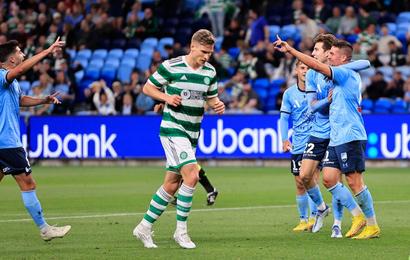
(357,65)
(29,63)
(306,59)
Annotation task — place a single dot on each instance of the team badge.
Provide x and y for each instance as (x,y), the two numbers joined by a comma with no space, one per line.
(183,155)
(343,156)
(185,94)
(207,80)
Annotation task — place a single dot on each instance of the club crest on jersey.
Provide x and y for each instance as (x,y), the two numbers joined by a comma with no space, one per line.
(6,169)
(183,155)
(185,94)
(343,156)
(207,80)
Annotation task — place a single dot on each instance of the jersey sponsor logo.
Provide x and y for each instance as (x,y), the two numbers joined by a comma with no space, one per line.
(185,94)
(192,94)
(6,169)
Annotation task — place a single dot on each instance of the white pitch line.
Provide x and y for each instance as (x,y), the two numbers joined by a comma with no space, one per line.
(173,211)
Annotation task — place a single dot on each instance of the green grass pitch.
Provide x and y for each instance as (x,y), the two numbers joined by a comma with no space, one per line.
(252,218)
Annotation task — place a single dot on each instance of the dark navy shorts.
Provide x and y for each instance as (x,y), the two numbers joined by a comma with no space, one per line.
(14,161)
(348,157)
(315,148)
(295,163)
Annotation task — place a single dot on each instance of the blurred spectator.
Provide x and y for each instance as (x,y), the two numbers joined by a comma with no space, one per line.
(365,19)
(308,27)
(127,107)
(385,39)
(357,53)
(395,87)
(279,97)
(259,28)
(348,22)
(224,59)
(286,68)
(232,34)
(236,83)
(407,90)
(148,27)
(144,103)
(132,24)
(252,66)
(321,12)
(377,86)
(42,25)
(333,22)
(247,101)
(368,39)
(38,92)
(66,94)
(223,95)
(118,92)
(297,10)
(19,34)
(397,58)
(216,13)
(104,100)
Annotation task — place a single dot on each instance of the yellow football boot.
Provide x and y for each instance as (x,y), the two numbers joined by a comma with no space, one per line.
(302,226)
(369,232)
(357,224)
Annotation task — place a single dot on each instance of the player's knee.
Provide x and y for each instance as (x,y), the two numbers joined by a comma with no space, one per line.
(329,182)
(306,179)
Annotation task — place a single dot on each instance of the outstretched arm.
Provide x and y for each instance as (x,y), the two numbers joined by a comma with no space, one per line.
(29,63)
(306,59)
(357,65)
(27,101)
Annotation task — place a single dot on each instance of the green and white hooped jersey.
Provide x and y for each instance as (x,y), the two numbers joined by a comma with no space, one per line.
(175,76)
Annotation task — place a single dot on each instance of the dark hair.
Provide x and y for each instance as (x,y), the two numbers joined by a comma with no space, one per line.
(6,49)
(344,46)
(327,39)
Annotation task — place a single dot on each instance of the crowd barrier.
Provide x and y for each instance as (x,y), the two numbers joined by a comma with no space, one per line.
(222,137)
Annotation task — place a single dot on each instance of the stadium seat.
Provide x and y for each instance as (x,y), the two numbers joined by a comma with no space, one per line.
(150,43)
(25,86)
(405,70)
(367,106)
(161,44)
(234,52)
(352,38)
(99,54)
(405,26)
(108,74)
(400,106)
(289,31)
(115,53)
(83,61)
(112,62)
(124,74)
(382,105)
(128,61)
(262,93)
(218,43)
(83,54)
(403,17)
(99,63)
(261,83)
(131,53)
(273,31)
(386,70)
(277,83)
(79,75)
(143,62)
(72,53)
(147,51)
(92,73)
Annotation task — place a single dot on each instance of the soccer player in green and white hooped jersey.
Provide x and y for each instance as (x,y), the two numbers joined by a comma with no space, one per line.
(184,83)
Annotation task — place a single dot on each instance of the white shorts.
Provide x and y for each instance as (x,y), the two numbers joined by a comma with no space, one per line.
(179,152)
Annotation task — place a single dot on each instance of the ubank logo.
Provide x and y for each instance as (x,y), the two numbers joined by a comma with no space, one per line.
(393,146)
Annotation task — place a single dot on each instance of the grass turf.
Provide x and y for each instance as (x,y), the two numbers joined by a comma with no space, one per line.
(252,218)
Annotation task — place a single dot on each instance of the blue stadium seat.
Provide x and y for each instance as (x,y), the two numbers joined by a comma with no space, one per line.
(270,103)
(150,42)
(92,73)
(25,86)
(161,44)
(108,74)
(273,31)
(83,61)
(131,53)
(386,70)
(400,106)
(403,17)
(115,53)
(405,26)
(143,62)
(100,54)
(84,54)
(124,74)
(367,106)
(129,61)
(382,105)
(114,62)
(277,83)
(289,31)
(96,63)
(79,75)
(262,93)
(261,83)
(405,70)
(72,53)
(218,43)
(234,52)
(147,51)
(352,38)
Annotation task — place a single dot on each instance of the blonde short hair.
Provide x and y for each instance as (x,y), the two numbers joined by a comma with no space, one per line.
(203,37)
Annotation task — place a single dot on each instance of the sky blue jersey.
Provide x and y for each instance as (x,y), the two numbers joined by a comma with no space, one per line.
(344,113)
(10,94)
(294,104)
(319,84)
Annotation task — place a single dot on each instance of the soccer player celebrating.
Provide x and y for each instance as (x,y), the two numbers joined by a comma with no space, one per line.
(13,158)
(345,153)
(294,105)
(184,83)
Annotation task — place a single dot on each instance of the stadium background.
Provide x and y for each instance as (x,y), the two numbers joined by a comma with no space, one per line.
(112,46)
